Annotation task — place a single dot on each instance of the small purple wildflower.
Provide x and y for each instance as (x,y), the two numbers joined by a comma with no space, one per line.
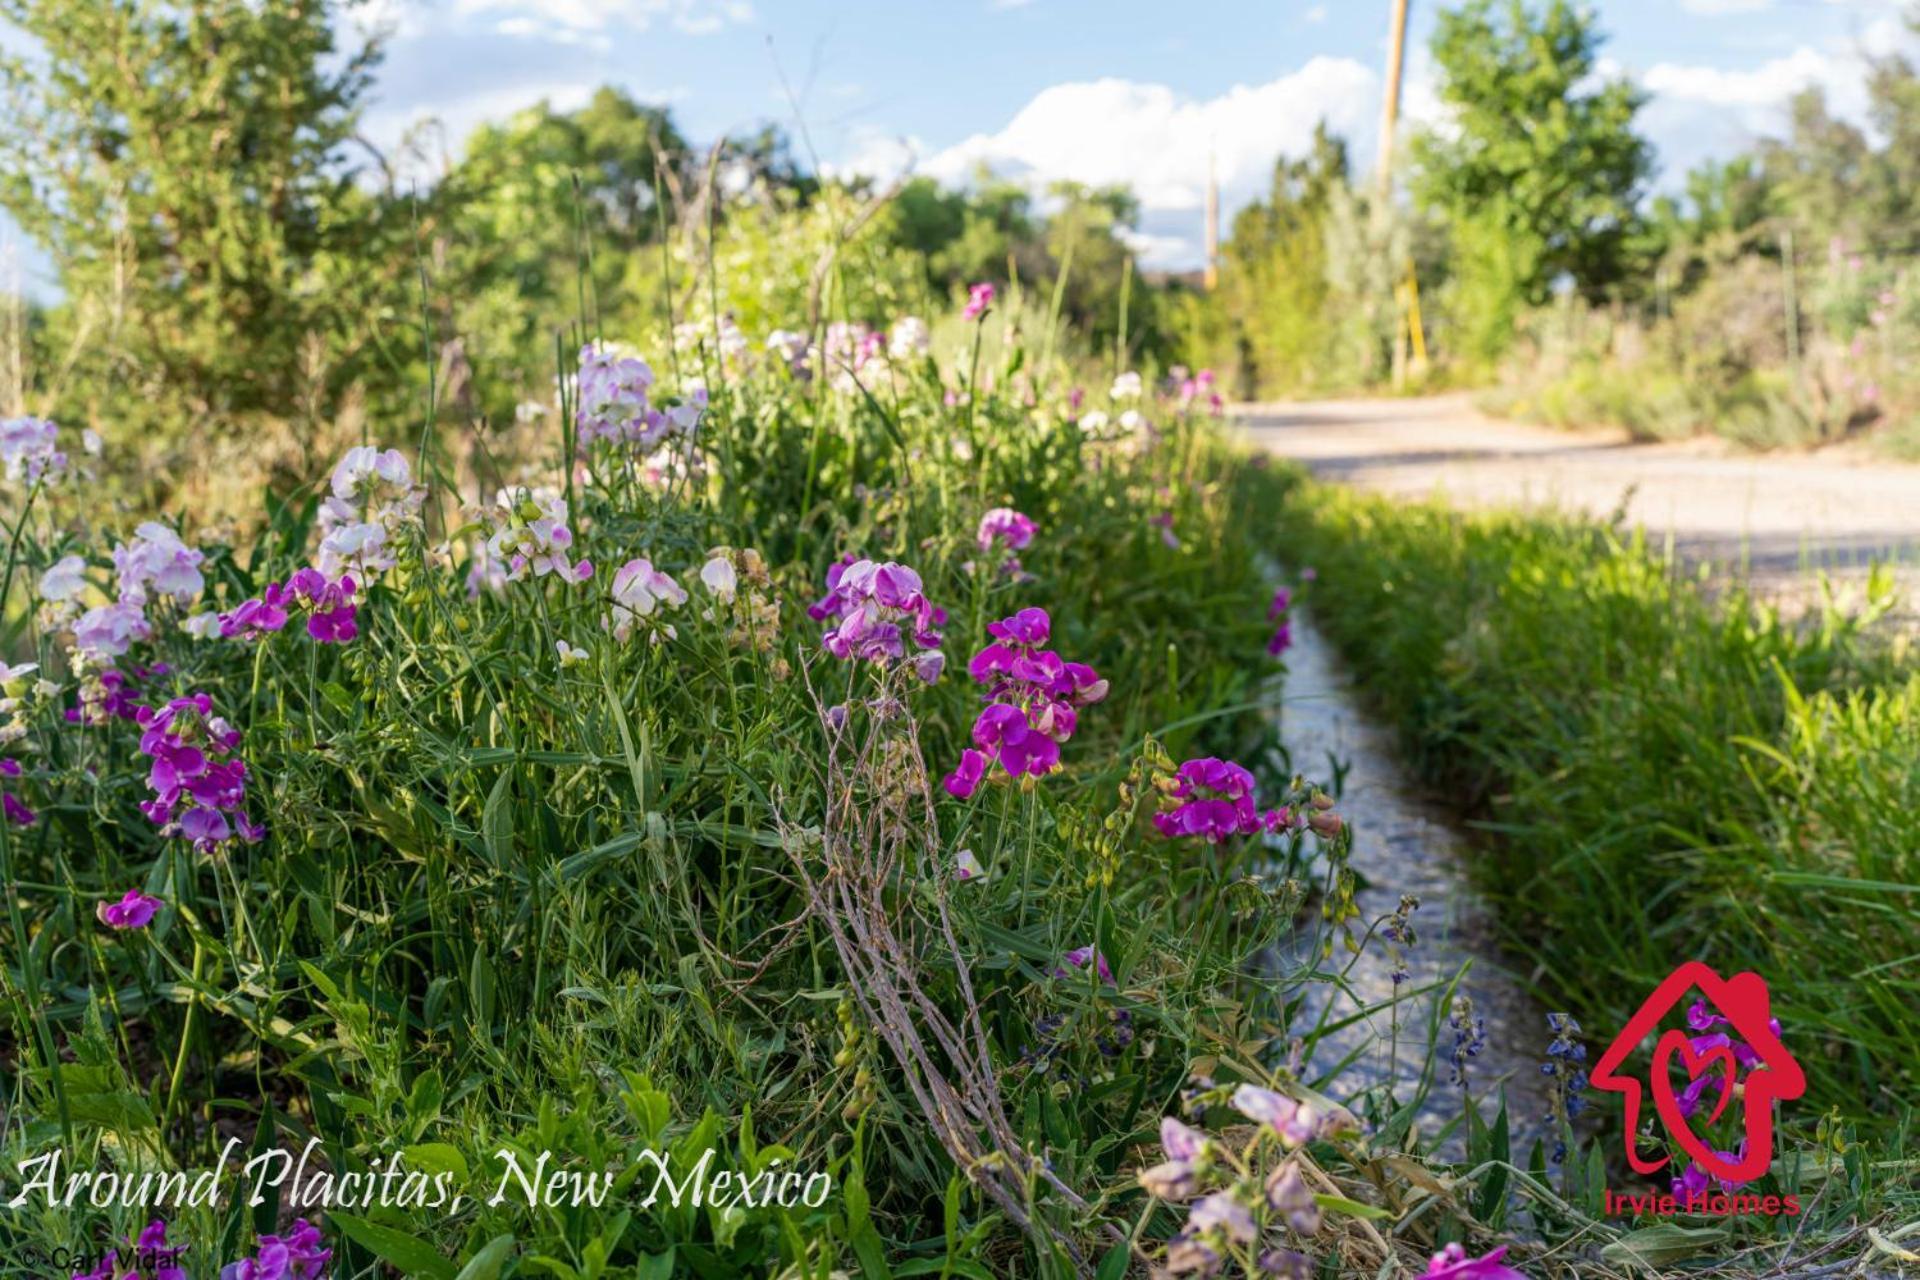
(133,911)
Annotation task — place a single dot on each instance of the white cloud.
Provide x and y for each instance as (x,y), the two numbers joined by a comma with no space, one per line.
(1157,141)
(1695,112)
(1149,138)
(1317,14)
(551,17)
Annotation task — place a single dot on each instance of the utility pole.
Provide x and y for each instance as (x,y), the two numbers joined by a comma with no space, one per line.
(1390,113)
(1213,226)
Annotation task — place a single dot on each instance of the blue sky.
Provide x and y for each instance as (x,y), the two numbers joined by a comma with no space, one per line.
(1101,90)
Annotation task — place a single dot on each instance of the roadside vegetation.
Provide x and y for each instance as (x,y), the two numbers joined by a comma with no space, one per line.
(1661,773)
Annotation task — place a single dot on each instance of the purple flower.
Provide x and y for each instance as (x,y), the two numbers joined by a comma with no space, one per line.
(134,911)
(1294,1122)
(1287,1195)
(1079,957)
(876,610)
(295,1256)
(966,775)
(199,785)
(1169,1180)
(1033,701)
(16,811)
(152,1246)
(1452,1263)
(613,388)
(110,630)
(1216,802)
(1006,525)
(332,614)
(979,298)
(1221,1212)
(1181,1141)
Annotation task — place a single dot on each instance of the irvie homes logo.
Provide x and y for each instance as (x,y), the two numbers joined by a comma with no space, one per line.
(1729,1029)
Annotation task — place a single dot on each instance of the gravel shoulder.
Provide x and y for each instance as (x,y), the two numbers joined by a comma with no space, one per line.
(1778,517)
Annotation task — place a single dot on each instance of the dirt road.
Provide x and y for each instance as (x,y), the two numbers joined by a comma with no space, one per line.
(1779,515)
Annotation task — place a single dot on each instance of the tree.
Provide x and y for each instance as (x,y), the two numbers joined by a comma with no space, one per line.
(1274,283)
(1538,169)
(549,212)
(193,169)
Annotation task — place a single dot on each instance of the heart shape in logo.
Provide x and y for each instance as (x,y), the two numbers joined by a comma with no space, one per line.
(1697,1063)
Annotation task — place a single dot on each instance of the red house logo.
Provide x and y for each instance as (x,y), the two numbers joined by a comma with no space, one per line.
(1753,1040)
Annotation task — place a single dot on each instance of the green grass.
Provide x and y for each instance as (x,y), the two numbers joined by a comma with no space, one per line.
(1661,775)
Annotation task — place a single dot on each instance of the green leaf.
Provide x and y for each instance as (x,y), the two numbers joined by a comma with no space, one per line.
(1352,1208)
(488,1259)
(496,820)
(414,1256)
(1658,1245)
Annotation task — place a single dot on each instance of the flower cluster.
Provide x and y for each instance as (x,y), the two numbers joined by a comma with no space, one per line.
(1214,800)
(1004,524)
(1398,931)
(1199,387)
(1277,610)
(199,785)
(1469,1036)
(874,610)
(157,562)
(1242,1207)
(616,402)
(1033,701)
(1566,1078)
(30,447)
(108,695)
(640,590)
(612,390)
(530,533)
(298,1255)
(374,503)
(1014,530)
(332,615)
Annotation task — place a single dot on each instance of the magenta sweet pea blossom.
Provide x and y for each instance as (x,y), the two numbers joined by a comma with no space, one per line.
(1282,638)
(1033,703)
(979,299)
(1452,1263)
(875,611)
(332,615)
(199,785)
(1216,801)
(298,1255)
(134,911)
(1004,524)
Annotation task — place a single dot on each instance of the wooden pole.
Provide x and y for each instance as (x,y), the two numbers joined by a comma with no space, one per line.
(1390,112)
